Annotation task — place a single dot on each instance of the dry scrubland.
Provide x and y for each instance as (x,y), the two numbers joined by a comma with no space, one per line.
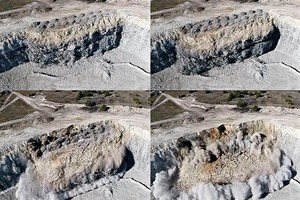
(243,101)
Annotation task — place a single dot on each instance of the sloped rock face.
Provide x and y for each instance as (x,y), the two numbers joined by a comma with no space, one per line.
(228,162)
(62,41)
(12,165)
(196,48)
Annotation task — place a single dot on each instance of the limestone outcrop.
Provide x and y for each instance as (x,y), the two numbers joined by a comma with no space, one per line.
(64,40)
(198,47)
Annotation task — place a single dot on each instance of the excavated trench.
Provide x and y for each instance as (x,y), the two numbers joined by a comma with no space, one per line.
(65,40)
(196,48)
(227,162)
(71,161)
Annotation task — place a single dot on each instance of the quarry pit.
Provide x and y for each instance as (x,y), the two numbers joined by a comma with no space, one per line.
(228,154)
(74,41)
(78,154)
(238,162)
(227,43)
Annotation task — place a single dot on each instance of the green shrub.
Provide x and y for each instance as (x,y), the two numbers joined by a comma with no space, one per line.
(241,104)
(255,108)
(106,93)
(79,95)
(289,101)
(238,94)
(103,108)
(229,97)
(87,93)
(258,94)
(89,103)
(137,101)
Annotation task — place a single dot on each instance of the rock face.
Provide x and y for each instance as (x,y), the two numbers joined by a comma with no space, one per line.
(286,51)
(196,48)
(12,165)
(63,40)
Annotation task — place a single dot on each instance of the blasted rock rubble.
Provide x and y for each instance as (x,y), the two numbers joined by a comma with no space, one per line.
(252,156)
(61,164)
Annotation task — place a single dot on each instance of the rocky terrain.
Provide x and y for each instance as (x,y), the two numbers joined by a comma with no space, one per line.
(76,40)
(216,42)
(77,155)
(230,153)
(227,44)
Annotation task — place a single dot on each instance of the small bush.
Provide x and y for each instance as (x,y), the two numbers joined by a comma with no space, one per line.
(106,93)
(229,97)
(79,95)
(255,108)
(241,104)
(87,93)
(238,94)
(103,108)
(136,100)
(258,94)
(289,101)
(89,103)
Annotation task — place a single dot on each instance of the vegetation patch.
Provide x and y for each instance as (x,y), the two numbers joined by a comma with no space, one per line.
(6,5)
(165,111)
(157,5)
(14,111)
